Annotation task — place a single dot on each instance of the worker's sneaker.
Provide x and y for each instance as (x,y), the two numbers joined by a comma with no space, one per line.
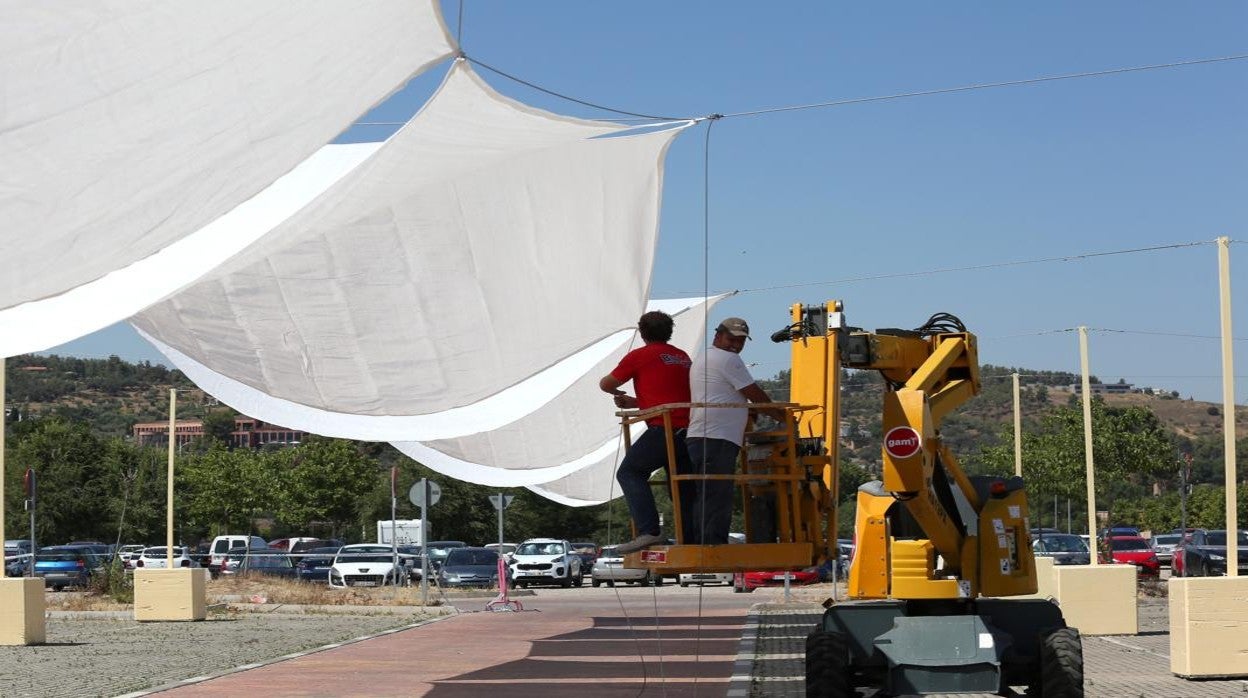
(645,540)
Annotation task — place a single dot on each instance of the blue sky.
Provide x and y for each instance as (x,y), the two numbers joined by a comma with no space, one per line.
(973,178)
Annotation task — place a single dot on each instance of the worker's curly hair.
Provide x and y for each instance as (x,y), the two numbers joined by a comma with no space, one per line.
(656,326)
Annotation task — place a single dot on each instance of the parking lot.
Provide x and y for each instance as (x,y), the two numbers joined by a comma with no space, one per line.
(627,640)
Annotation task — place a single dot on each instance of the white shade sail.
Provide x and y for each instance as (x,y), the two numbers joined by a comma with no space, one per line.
(572,443)
(422,294)
(127,126)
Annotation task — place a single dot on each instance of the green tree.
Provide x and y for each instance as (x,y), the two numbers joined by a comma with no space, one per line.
(219,425)
(321,482)
(225,490)
(75,487)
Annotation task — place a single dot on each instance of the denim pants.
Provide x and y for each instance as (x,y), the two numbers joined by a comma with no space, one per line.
(712,505)
(647,455)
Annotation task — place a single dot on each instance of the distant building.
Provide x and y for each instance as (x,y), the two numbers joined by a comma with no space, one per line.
(1104,388)
(248,433)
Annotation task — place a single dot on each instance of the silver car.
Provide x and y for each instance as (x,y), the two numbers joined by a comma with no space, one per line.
(1164,545)
(609,568)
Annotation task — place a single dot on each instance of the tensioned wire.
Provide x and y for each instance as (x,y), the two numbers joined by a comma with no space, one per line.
(878,98)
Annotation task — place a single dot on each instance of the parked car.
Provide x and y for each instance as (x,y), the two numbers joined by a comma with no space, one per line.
(222,545)
(744,582)
(17,557)
(1203,554)
(1132,550)
(412,559)
(300,546)
(546,561)
(609,568)
(66,565)
(253,563)
(1164,544)
(704,578)
(365,565)
(130,553)
(313,565)
(588,552)
(470,567)
(1063,548)
(158,558)
(439,549)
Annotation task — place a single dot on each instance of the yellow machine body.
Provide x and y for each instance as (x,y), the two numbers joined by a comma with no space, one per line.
(924,531)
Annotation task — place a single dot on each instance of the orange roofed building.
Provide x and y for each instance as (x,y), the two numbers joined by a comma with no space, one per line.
(248,433)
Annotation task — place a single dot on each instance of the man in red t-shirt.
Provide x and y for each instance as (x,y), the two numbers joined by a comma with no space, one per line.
(660,376)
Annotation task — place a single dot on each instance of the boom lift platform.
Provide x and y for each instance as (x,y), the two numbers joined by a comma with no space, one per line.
(938,552)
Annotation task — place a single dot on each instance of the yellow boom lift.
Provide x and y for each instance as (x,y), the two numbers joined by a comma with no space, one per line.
(938,552)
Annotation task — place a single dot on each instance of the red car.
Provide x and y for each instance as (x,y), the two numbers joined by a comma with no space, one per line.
(749,581)
(1133,550)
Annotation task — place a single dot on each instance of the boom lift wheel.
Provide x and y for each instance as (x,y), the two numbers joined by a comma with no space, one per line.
(1061,664)
(827,666)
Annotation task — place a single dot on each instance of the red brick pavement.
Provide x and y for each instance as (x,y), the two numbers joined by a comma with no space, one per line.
(558,651)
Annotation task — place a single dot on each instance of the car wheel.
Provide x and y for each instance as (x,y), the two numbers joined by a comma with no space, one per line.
(58,587)
(597,583)
(580,581)
(610,583)
(566,582)
(658,580)
(684,585)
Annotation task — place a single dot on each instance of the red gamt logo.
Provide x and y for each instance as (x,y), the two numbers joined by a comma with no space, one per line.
(902,442)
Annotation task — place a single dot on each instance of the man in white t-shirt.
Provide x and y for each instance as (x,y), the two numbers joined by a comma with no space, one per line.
(716,434)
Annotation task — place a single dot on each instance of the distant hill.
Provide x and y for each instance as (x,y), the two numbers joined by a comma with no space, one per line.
(111,395)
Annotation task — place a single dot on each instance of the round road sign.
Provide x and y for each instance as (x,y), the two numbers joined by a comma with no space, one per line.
(417,494)
(902,442)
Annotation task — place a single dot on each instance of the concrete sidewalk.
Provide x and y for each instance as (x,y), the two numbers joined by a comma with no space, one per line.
(553,652)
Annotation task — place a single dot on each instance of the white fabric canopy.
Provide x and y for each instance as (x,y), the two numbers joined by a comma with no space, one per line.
(126,126)
(574,440)
(420,295)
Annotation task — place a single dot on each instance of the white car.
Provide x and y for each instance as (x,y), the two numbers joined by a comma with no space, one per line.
(546,561)
(158,558)
(365,565)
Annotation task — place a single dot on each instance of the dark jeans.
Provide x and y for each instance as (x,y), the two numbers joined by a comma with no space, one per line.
(644,457)
(712,505)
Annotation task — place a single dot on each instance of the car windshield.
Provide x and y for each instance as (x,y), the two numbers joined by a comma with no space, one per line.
(161,552)
(1219,538)
(1060,543)
(540,549)
(57,556)
(589,548)
(470,558)
(268,561)
(1129,544)
(609,551)
(1166,539)
(365,557)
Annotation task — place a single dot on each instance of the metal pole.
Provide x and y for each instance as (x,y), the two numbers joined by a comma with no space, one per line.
(1184,472)
(1018,433)
(173,437)
(1055,512)
(34,500)
(424,543)
(4,426)
(394,527)
(500,523)
(1087,441)
(1068,514)
(1228,408)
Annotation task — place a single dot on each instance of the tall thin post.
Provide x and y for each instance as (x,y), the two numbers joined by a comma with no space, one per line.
(1185,472)
(394,525)
(173,444)
(424,542)
(501,506)
(1018,432)
(1087,441)
(1068,514)
(4,426)
(1228,408)
(1055,512)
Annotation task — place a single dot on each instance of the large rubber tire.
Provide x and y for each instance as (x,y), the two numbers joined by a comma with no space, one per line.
(579,581)
(827,666)
(611,584)
(566,582)
(657,580)
(1061,664)
(597,583)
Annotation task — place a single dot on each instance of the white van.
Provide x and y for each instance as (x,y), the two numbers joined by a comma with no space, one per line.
(222,545)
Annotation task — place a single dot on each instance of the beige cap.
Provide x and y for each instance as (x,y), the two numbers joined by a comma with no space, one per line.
(734,326)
